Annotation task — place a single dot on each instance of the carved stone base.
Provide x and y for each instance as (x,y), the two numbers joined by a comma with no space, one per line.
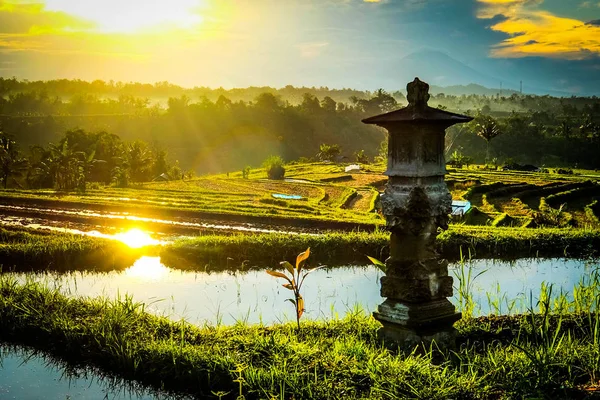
(397,337)
(407,325)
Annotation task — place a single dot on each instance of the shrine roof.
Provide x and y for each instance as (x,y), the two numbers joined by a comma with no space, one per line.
(417,109)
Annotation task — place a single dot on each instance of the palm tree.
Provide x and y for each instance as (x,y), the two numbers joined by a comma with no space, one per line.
(86,164)
(487,128)
(65,165)
(11,162)
(328,152)
(139,159)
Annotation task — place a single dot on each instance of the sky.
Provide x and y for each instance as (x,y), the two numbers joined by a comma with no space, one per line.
(550,45)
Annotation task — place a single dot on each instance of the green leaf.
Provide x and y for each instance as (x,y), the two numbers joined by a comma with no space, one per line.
(288,286)
(288,267)
(377,263)
(302,257)
(292,301)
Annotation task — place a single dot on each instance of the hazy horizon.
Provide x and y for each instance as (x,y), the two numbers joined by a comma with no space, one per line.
(553,46)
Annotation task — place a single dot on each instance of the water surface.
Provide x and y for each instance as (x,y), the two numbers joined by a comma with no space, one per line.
(26,375)
(255,297)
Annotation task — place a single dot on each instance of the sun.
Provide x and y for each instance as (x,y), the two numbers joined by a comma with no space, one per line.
(118,16)
(136,238)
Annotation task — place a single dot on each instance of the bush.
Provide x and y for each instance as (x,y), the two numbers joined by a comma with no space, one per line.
(274,167)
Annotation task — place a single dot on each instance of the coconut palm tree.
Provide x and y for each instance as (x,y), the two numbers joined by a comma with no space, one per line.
(65,165)
(487,128)
(11,162)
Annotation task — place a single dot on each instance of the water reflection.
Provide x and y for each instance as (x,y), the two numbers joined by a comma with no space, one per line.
(148,268)
(25,374)
(255,297)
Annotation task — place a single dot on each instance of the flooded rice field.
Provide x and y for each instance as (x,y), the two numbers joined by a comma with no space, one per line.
(87,220)
(497,287)
(25,374)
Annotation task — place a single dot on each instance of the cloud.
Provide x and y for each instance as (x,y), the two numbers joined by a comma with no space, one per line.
(589,4)
(534,32)
(24,17)
(311,50)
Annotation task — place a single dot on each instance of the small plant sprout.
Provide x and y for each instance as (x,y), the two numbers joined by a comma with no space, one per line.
(379,264)
(295,281)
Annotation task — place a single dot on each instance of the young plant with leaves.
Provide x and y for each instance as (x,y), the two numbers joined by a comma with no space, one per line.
(295,281)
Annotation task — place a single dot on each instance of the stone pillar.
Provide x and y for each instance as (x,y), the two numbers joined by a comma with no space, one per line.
(416,204)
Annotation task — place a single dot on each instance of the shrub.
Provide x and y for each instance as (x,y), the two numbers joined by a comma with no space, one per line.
(274,167)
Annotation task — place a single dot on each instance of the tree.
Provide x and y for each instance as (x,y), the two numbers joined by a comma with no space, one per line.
(328,104)
(328,152)
(87,163)
(382,155)
(65,165)
(274,167)
(361,157)
(487,128)
(139,160)
(11,162)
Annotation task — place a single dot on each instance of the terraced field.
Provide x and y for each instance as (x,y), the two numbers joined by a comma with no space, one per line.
(311,192)
(527,199)
(325,192)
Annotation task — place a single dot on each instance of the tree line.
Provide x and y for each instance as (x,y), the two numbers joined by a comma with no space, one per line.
(82,157)
(211,133)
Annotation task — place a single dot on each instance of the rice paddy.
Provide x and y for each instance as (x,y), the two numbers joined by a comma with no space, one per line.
(548,350)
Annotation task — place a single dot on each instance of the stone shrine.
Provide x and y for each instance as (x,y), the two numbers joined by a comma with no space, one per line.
(416,204)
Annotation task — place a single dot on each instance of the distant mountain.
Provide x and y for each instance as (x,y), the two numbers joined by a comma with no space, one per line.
(472,88)
(538,75)
(439,69)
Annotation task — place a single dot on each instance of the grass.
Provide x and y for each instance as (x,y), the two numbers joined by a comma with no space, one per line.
(353,247)
(27,249)
(552,354)
(329,196)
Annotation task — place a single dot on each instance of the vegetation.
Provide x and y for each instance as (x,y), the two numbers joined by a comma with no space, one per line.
(27,250)
(552,353)
(228,130)
(273,165)
(295,281)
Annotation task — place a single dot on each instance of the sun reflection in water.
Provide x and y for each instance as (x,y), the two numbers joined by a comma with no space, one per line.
(148,268)
(136,238)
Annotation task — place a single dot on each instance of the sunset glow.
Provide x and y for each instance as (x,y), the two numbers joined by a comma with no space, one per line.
(136,238)
(228,43)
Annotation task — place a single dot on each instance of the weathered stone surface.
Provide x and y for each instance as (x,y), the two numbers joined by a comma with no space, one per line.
(416,290)
(416,268)
(416,314)
(416,203)
(417,94)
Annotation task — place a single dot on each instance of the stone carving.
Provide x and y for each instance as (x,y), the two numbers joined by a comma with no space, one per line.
(417,94)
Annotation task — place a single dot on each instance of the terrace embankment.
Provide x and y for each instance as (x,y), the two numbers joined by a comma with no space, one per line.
(165,220)
(27,249)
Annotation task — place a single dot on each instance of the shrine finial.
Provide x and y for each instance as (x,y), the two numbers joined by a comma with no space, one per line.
(418,94)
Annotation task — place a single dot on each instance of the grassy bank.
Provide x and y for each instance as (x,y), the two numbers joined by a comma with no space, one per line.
(27,249)
(536,356)
(353,247)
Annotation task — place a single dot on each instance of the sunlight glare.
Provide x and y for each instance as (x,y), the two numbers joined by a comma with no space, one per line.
(136,238)
(147,268)
(132,15)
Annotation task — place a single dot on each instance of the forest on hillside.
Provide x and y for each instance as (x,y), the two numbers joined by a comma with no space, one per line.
(218,130)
